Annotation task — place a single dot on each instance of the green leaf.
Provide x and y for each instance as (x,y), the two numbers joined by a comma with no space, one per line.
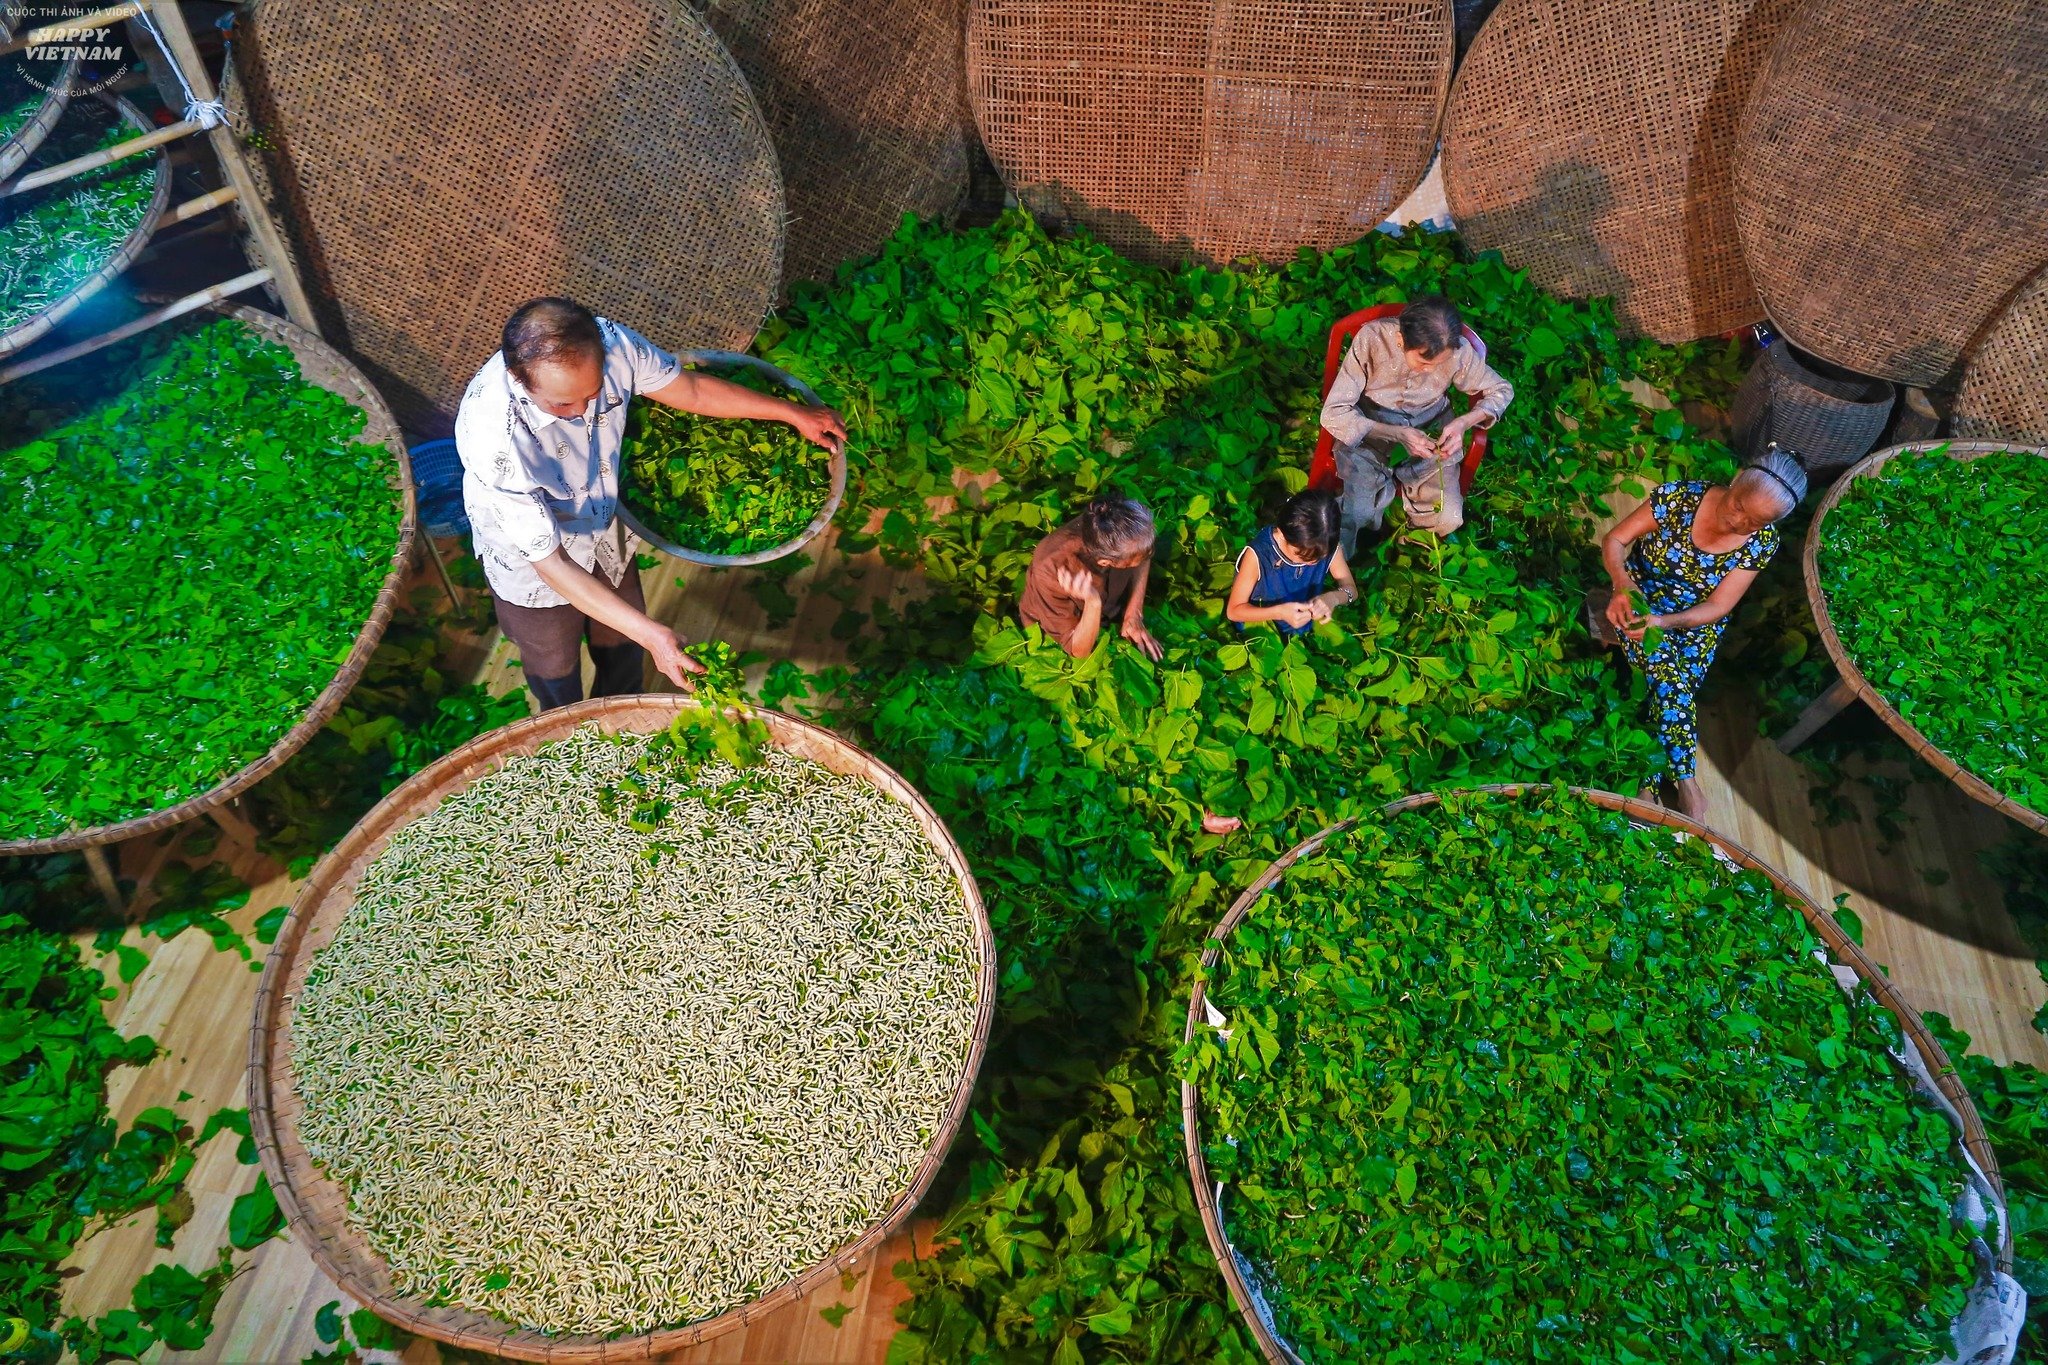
(254,1217)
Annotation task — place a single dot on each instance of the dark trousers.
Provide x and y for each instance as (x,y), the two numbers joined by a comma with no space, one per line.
(550,642)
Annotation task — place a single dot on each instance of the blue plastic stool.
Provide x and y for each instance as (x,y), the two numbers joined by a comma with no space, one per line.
(437,475)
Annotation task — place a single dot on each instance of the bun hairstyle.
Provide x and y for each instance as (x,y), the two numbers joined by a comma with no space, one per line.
(549,329)
(1774,479)
(1116,527)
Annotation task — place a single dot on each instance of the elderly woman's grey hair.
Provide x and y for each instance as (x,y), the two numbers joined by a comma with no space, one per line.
(1774,479)
(1116,527)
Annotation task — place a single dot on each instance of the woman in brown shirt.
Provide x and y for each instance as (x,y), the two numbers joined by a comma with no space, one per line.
(1091,570)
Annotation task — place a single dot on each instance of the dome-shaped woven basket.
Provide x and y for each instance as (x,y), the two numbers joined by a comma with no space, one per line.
(1891,177)
(18,144)
(1975,786)
(867,102)
(319,364)
(812,530)
(317,1208)
(1590,140)
(1840,947)
(123,256)
(1177,128)
(436,166)
(2005,385)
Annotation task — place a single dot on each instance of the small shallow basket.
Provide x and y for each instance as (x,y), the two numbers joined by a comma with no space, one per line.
(123,256)
(317,1207)
(319,364)
(1840,947)
(17,147)
(802,538)
(1975,786)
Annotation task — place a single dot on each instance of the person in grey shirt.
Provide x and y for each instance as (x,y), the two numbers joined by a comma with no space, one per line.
(539,433)
(1396,380)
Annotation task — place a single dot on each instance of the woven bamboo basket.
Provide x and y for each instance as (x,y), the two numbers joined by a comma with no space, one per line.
(2005,383)
(317,1208)
(320,364)
(811,531)
(1590,140)
(611,152)
(1973,785)
(1840,947)
(1866,121)
(20,144)
(123,256)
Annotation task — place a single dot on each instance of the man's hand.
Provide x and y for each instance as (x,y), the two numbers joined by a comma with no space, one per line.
(1451,445)
(819,426)
(1135,632)
(1296,613)
(1416,440)
(666,649)
(1078,584)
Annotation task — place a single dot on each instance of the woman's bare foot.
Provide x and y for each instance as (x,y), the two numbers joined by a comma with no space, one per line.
(1687,798)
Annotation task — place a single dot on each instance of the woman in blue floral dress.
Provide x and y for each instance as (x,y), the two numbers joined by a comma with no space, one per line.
(1692,551)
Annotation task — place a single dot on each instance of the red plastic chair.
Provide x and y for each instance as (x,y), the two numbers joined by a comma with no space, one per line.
(1322,471)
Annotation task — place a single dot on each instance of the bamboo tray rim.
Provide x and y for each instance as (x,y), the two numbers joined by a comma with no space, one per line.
(1839,945)
(379,429)
(1973,786)
(17,147)
(339,1249)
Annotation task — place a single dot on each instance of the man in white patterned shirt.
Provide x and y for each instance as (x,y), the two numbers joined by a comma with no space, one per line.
(539,432)
(1396,379)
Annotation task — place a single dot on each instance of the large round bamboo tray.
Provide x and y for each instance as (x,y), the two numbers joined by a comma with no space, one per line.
(19,145)
(2005,383)
(317,1207)
(320,364)
(123,256)
(812,529)
(1971,784)
(1840,947)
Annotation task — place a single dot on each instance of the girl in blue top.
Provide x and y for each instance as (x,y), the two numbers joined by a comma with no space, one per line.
(1280,574)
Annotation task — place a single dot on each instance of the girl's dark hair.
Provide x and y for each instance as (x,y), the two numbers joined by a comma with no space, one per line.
(1115,527)
(1430,324)
(1309,521)
(549,329)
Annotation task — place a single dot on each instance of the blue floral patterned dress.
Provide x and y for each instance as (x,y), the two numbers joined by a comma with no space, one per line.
(1674,574)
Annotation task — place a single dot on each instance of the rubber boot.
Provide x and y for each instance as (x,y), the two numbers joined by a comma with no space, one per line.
(620,670)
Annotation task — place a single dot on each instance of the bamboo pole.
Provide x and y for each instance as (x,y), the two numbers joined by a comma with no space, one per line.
(92,161)
(192,208)
(190,303)
(50,33)
(270,245)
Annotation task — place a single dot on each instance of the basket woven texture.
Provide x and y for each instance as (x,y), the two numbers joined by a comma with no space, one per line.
(19,145)
(867,102)
(812,529)
(320,364)
(1891,177)
(27,333)
(2005,385)
(439,165)
(1846,666)
(317,1208)
(1840,947)
(1589,141)
(1831,423)
(1172,128)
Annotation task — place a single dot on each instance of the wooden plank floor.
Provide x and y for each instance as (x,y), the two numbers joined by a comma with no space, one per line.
(1950,945)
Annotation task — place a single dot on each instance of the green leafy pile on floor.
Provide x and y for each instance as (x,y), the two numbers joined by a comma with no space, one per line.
(1517,1078)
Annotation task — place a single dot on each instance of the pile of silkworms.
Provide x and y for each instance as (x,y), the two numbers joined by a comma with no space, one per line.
(590,1078)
